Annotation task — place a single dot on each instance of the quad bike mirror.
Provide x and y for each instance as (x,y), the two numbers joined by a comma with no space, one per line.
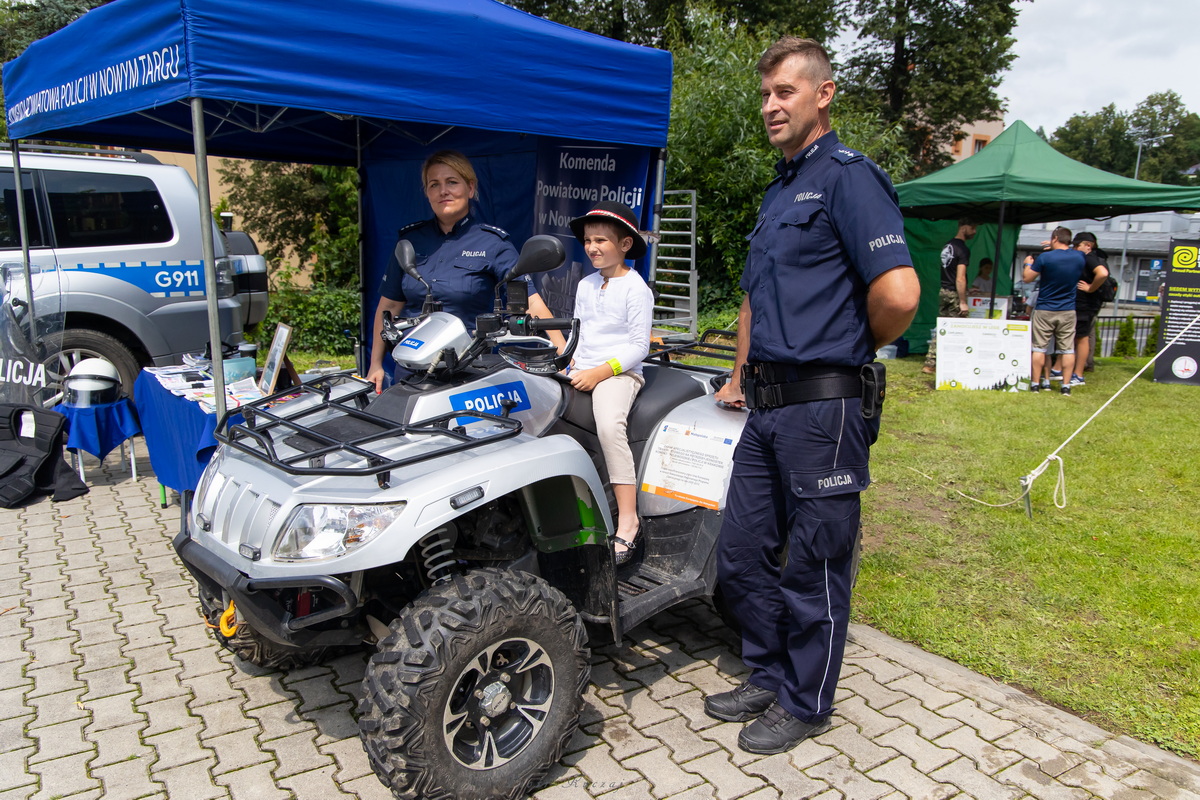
(540,253)
(406,257)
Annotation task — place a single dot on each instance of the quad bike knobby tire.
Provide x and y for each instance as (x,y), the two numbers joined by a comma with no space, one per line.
(250,645)
(477,690)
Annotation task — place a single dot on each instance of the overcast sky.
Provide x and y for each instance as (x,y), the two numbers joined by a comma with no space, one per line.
(1078,56)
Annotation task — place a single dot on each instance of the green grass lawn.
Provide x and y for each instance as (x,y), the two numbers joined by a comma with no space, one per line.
(1094,607)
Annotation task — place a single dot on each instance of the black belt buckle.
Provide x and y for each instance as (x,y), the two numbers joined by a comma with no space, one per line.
(874,386)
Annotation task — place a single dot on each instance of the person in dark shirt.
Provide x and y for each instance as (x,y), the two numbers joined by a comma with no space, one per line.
(828,281)
(952,296)
(1060,268)
(1087,301)
(462,258)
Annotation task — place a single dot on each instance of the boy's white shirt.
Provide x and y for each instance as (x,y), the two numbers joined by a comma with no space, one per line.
(614,322)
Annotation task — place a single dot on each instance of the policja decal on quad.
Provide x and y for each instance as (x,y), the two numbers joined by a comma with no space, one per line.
(488,400)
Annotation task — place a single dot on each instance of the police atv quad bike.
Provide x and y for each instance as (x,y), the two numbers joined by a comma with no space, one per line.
(459,523)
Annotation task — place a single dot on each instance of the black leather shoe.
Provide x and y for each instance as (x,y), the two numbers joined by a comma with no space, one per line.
(626,555)
(777,731)
(743,703)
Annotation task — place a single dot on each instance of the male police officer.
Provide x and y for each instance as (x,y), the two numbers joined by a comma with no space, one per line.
(827,281)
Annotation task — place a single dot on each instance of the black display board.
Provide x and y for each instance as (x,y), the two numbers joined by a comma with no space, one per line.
(1179,363)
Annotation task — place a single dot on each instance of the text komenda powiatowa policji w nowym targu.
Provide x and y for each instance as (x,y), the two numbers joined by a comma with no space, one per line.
(144,69)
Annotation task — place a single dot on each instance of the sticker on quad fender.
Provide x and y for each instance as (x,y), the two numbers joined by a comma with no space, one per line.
(488,400)
(689,464)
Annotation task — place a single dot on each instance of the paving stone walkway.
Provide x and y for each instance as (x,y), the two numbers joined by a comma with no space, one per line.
(110,686)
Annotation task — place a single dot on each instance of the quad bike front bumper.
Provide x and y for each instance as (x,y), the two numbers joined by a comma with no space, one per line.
(257,600)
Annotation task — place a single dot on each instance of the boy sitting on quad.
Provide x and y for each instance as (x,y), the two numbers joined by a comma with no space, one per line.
(614,307)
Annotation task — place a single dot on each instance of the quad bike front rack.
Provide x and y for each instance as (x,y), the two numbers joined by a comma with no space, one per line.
(345,432)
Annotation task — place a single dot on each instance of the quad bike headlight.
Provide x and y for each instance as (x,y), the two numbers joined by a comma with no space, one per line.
(329,531)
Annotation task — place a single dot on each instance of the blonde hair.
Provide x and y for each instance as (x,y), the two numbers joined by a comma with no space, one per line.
(455,161)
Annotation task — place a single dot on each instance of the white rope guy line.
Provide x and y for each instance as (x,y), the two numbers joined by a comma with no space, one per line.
(1060,486)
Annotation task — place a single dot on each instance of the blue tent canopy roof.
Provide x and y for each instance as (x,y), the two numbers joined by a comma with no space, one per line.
(324,79)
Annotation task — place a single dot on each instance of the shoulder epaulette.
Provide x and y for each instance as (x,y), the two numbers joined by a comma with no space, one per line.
(844,155)
(503,234)
(410,227)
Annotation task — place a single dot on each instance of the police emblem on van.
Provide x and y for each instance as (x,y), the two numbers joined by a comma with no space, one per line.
(489,399)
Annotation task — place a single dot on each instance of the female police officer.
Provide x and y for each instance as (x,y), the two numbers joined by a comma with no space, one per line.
(461,258)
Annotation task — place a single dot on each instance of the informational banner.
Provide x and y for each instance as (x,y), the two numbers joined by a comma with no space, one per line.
(983,354)
(689,464)
(571,179)
(1178,363)
(978,306)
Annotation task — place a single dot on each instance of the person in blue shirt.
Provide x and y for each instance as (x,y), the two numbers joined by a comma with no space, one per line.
(1060,268)
(828,280)
(462,258)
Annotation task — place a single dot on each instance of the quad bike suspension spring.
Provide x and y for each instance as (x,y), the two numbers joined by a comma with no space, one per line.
(437,554)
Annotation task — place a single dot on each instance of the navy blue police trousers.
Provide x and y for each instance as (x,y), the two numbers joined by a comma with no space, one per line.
(785,556)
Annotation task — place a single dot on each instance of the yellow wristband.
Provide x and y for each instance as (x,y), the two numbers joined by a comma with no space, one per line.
(615,364)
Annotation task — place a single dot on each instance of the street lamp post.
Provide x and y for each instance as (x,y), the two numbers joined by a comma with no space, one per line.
(1129,217)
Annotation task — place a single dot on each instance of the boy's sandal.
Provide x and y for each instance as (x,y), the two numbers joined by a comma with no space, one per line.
(623,556)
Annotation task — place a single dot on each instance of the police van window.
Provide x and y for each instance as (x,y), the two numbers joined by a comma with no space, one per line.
(10,233)
(90,209)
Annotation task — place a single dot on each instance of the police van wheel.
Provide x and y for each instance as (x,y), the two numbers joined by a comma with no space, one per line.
(67,348)
(477,690)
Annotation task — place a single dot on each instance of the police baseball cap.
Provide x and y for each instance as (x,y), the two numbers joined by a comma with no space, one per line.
(1084,236)
(619,213)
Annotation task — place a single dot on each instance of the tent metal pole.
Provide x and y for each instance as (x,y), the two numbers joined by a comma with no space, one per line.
(996,260)
(365,329)
(209,254)
(660,174)
(23,223)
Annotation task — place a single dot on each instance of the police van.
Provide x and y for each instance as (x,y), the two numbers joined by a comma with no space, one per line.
(115,245)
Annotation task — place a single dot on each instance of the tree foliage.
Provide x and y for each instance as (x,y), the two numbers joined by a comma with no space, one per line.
(1099,140)
(319,317)
(23,23)
(1108,139)
(308,212)
(932,66)
(718,145)
(663,23)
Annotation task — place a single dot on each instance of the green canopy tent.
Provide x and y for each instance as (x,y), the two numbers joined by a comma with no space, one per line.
(1016,180)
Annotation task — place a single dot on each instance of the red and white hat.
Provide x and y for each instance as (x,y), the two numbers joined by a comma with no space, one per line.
(618,213)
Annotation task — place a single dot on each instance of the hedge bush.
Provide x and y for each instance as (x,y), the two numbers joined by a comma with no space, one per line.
(319,318)
(1126,346)
(1154,340)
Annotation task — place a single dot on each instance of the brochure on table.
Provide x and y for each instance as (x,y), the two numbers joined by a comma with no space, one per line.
(983,354)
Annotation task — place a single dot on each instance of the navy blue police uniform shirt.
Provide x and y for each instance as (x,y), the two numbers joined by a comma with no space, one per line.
(827,227)
(463,267)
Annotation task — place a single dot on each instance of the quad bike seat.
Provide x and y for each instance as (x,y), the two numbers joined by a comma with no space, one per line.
(665,388)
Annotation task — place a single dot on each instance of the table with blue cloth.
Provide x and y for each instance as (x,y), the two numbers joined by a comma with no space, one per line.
(99,429)
(179,434)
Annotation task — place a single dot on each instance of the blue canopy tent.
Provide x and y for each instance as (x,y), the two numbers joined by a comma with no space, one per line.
(374,84)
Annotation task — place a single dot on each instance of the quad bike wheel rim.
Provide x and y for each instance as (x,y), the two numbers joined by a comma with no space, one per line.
(499,704)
